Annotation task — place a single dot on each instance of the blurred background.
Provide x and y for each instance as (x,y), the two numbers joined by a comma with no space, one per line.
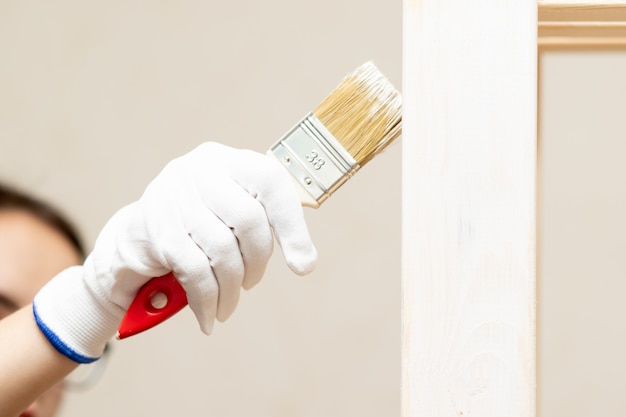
(95,97)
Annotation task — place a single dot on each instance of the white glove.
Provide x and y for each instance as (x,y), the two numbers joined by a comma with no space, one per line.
(208,217)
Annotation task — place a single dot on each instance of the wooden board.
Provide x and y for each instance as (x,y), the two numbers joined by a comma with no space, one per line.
(469,168)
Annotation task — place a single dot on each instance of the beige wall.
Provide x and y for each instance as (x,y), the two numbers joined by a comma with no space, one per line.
(582,229)
(96,96)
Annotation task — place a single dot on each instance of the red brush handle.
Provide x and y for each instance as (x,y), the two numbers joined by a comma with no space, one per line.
(145,312)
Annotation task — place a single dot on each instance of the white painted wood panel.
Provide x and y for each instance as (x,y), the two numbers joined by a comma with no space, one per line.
(469,168)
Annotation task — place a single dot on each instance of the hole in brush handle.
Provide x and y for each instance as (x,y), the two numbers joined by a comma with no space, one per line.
(156,301)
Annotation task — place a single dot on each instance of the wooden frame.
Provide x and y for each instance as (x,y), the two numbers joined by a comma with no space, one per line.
(582,25)
(469,174)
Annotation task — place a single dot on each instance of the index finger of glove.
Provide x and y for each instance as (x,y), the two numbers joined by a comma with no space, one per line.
(276,192)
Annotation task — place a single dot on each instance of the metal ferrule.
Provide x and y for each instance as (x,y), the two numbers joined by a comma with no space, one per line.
(317,160)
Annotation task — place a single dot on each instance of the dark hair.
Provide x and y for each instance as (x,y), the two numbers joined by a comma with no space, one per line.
(11,198)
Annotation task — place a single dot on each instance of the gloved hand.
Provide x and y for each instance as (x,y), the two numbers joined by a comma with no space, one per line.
(210,217)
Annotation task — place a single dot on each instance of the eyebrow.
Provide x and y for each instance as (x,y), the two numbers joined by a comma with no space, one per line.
(9,303)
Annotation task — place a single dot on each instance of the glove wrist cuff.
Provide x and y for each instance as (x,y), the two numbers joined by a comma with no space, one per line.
(73,319)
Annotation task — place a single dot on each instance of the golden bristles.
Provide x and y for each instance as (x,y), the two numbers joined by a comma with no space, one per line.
(364,113)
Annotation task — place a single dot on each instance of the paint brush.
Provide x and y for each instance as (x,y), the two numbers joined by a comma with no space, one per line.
(356,122)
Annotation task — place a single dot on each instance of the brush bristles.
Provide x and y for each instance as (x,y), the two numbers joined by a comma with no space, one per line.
(364,113)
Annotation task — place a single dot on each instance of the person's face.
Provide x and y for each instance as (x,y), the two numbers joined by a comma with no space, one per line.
(31,252)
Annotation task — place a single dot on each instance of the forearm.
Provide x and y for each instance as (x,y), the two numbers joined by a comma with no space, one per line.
(29,365)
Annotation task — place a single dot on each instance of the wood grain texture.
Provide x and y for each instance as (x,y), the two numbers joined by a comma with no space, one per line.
(582,24)
(469,241)
(584,3)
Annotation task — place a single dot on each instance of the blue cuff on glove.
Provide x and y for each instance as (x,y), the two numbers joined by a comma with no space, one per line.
(58,344)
